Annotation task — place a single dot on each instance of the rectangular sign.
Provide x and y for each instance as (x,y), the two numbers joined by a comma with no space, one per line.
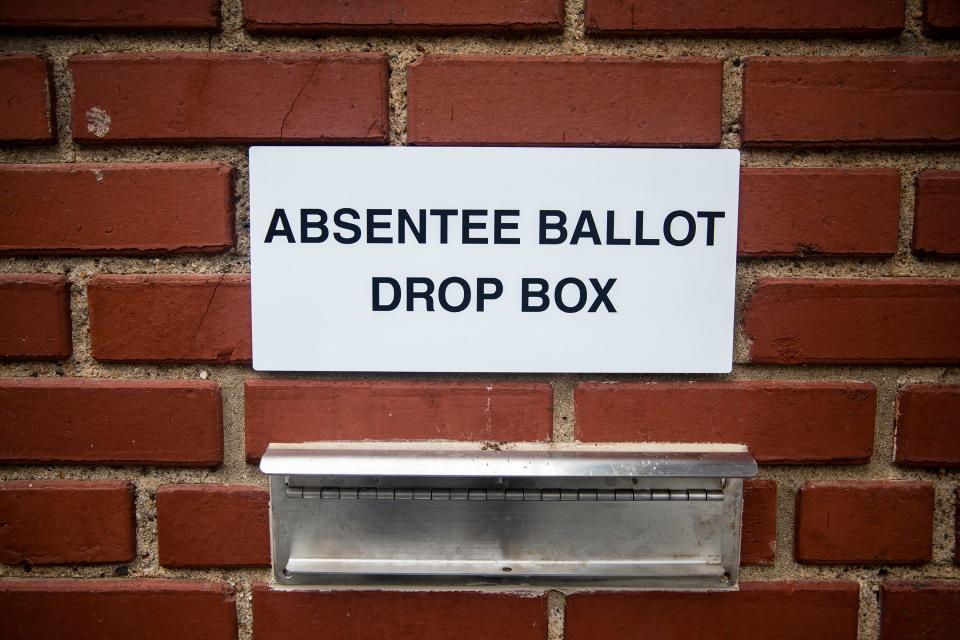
(493,259)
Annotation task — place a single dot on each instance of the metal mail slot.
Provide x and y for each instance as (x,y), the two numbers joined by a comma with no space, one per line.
(540,515)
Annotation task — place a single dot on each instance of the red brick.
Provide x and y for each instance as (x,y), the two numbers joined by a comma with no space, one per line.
(851,101)
(936,215)
(26,99)
(865,321)
(941,17)
(106,15)
(116,208)
(758,534)
(795,212)
(919,609)
(157,422)
(230,97)
(398,16)
(61,522)
(203,525)
(758,611)
(35,323)
(374,615)
(582,101)
(53,609)
(928,426)
(303,411)
(745,18)
(780,422)
(170,318)
(864,522)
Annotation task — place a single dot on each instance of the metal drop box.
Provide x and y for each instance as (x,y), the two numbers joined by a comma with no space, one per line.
(556,515)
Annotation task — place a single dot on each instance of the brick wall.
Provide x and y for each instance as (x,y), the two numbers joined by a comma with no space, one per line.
(131,422)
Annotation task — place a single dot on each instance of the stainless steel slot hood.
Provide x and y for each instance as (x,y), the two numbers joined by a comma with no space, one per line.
(377,513)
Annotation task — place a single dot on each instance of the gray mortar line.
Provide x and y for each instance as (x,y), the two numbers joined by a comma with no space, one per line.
(564,415)
(556,611)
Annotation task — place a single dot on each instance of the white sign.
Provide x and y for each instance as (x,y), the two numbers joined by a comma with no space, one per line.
(493,259)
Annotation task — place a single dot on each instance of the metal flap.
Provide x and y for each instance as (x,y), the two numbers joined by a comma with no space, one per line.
(469,460)
(561,515)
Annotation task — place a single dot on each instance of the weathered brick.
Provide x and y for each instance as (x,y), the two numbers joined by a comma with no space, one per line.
(230,97)
(758,535)
(780,422)
(941,17)
(745,18)
(109,15)
(374,615)
(400,16)
(170,318)
(564,100)
(864,522)
(758,611)
(116,208)
(61,522)
(26,99)
(936,215)
(303,411)
(864,101)
(158,422)
(797,212)
(53,609)
(35,323)
(863,321)
(206,525)
(928,426)
(919,609)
